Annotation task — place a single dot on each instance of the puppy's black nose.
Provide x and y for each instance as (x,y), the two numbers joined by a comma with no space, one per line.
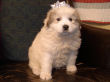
(65,27)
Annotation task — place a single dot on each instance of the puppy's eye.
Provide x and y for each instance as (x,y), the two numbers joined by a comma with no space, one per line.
(70,19)
(58,19)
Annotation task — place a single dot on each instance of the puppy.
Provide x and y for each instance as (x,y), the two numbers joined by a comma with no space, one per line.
(57,44)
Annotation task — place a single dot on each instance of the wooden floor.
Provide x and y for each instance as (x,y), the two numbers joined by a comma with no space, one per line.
(20,72)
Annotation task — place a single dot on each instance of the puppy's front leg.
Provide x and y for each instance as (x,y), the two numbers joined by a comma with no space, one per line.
(71,63)
(46,67)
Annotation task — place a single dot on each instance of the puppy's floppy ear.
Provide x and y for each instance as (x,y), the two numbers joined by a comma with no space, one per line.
(77,16)
(48,19)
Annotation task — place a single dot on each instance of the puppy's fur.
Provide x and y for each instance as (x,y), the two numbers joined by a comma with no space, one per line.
(54,46)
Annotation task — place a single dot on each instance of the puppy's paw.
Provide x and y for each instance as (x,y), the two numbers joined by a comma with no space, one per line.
(45,76)
(71,69)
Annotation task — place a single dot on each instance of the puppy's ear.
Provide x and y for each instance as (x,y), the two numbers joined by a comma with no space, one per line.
(77,16)
(48,19)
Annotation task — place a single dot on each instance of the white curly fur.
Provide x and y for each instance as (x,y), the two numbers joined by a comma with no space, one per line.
(53,47)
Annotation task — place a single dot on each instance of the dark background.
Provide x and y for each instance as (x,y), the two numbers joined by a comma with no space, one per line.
(21,21)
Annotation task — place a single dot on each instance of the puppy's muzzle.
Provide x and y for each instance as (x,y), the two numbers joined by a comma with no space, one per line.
(65,27)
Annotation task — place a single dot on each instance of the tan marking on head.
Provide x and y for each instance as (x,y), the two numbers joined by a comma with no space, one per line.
(49,18)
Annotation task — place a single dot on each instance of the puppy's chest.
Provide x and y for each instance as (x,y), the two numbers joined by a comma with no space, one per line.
(63,47)
(61,55)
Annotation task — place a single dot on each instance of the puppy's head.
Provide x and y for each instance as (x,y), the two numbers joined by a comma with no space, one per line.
(62,20)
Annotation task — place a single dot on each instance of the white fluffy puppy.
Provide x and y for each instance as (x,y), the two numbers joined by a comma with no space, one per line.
(57,43)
